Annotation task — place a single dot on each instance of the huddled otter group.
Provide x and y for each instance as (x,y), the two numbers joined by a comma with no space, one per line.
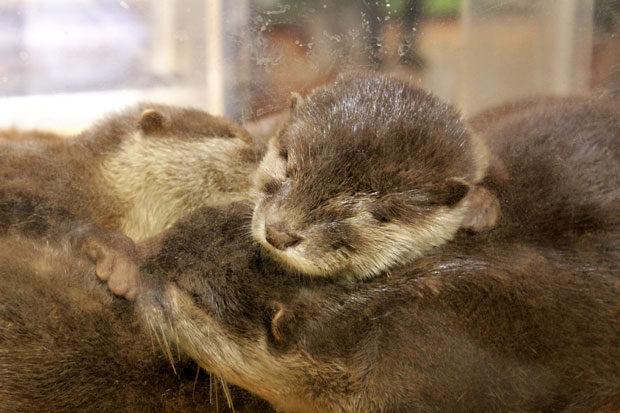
(449,266)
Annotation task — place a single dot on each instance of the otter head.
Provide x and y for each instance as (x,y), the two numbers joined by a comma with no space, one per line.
(368,173)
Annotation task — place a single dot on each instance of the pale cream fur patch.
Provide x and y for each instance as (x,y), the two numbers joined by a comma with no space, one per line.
(161,179)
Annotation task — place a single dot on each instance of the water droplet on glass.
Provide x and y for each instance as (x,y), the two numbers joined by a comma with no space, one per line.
(387,18)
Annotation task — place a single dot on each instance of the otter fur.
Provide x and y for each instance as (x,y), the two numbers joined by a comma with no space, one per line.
(138,171)
(68,344)
(487,327)
(522,317)
(368,173)
(555,168)
(135,172)
(368,154)
(488,321)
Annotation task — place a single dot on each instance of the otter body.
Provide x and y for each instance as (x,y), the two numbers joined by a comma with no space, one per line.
(502,319)
(67,344)
(555,168)
(490,327)
(524,316)
(136,172)
(371,173)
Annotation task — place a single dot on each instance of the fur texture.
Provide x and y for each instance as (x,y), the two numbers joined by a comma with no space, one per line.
(522,317)
(465,328)
(67,344)
(368,173)
(137,171)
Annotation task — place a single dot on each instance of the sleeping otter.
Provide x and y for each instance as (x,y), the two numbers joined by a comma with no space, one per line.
(486,327)
(67,344)
(135,172)
(138,171)
(488,321)
(125,175)
(524,316)
(368,173)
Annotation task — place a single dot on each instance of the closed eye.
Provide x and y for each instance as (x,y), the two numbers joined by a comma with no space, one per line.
(283,153)
(272,186)
(381,216)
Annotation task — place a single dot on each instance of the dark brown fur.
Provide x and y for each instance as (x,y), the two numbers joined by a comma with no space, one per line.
(523,317)
(556,169)
(490,327)
(368,172)
(67,344)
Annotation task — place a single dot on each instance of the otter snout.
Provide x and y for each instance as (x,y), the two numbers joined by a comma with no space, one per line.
(278,236)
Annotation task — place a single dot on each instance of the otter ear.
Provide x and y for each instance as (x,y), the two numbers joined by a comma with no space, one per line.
(151,121)
(295,101)
(281,323)
(454,191)
(483,211)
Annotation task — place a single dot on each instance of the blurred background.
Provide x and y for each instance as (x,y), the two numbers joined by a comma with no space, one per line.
(65,63)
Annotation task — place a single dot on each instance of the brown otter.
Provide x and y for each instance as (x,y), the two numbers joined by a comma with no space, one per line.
(67,344)
(368,173)
(489,321)
(486,327)
(418,192)
(137,171)
(525,316)
(560,159)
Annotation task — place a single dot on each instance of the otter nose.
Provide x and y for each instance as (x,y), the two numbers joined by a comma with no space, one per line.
(279,237)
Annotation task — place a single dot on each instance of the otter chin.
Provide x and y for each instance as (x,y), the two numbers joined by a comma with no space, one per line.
(367,173)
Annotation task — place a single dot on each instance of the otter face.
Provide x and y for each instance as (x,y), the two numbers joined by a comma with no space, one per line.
(367,174)
(171,161)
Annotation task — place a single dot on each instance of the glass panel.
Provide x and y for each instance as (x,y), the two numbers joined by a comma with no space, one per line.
(63,63)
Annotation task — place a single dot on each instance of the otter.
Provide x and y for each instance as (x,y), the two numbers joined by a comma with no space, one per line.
(522,317)
(486,321)
(68,344)
(504,326)
(137,171)
(420,190)
(560,159)
(368,173)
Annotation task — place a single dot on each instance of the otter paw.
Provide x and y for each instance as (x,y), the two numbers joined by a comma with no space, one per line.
(116,260)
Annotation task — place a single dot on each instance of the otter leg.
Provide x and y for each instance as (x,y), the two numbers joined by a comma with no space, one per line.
(113,253)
